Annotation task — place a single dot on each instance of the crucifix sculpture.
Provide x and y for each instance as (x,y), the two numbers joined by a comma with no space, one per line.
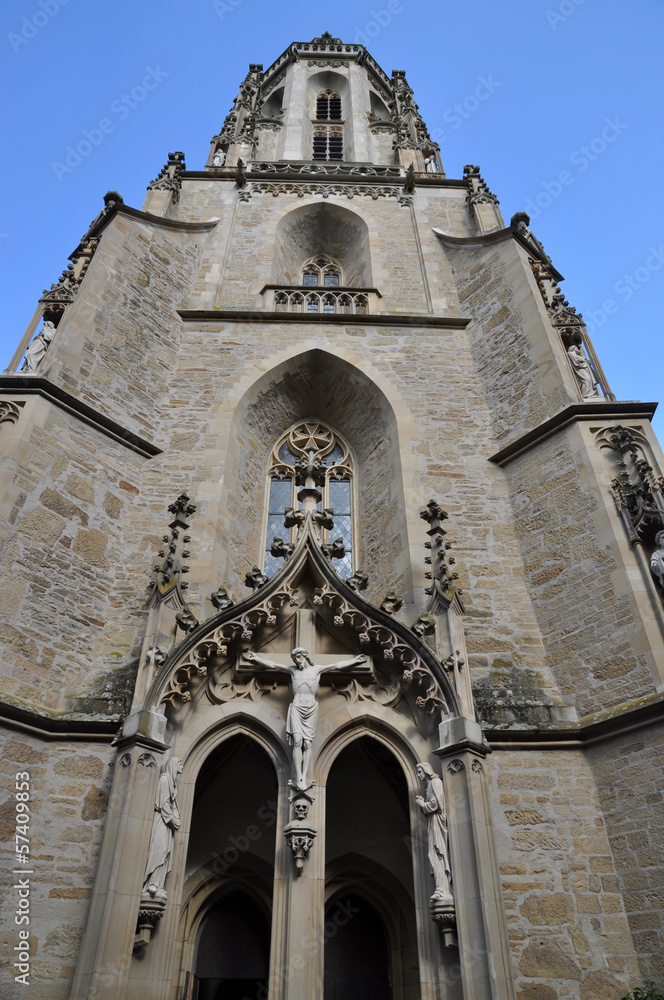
(303,709)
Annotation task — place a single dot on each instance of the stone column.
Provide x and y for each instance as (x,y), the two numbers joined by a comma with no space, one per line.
(106,951)
(484,952)
(298,919)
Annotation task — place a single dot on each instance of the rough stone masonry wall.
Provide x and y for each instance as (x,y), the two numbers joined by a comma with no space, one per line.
(69,790)
(69,615)
(629,773)
(511,357)
(569,933)
(115,347)
(588,627)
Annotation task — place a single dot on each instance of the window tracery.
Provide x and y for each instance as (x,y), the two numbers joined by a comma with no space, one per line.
(321,270)
(328,139)
(328,106)
(311,440)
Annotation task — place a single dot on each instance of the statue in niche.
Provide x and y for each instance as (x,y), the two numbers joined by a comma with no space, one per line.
(219,157)
(430,164)
(432,804)
(303,710)
(165,822)
(38,348)
(657,559)
(582,370)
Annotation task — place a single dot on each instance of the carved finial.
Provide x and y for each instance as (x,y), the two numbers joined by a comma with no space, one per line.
(175,553)
(221,600)
(281,549)
(335,550)
(323,518)
(169,177)
(293,518)
(358,581)
(409,183)
(433,512)
(478,190)
(425,625)
(186,620)
(391,603)
(182,506)
(255,578)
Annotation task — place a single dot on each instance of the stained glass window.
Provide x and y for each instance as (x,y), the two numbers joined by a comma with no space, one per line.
(311,439)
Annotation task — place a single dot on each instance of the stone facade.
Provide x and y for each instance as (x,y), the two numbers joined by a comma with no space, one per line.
(172,372)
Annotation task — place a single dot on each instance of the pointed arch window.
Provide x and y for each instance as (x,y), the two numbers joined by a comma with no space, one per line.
(328,106)
(321,270)
(328,138)
(311,440)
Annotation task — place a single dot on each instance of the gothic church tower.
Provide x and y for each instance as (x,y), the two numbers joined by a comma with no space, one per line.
(332,652)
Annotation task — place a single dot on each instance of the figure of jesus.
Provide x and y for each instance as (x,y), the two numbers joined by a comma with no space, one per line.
(303,710)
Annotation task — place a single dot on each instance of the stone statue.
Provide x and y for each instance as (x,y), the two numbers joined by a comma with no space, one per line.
(430,164)
(657,559)
(303,710)
(432,805)
(165,822)
(583,371)
(219,157)
(38,348)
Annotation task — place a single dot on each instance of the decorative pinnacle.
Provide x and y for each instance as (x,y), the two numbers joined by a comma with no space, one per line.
(174,552)
(433,512)
(182,506)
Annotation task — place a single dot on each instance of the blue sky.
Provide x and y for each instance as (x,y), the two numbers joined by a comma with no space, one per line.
(571,87)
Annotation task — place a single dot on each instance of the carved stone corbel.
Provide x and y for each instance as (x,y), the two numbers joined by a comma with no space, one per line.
(300,833)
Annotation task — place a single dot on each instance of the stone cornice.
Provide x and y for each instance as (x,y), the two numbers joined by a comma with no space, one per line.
(57,727)
(295,174)
(34,385)
(101,223)
(587,732)
(489,239)
(602,410)
(369,319)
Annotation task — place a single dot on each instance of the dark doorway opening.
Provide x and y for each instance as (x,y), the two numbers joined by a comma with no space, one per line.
(233,951)
(357,956)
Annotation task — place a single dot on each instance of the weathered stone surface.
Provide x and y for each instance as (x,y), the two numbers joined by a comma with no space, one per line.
(42,525)
(600,986)
(83,766)
(534,991)
(23,753)
(64,941)
(56,502)
(91,545)
(95,804)
(545,959)
(552,909)
(516,817)
(80,487)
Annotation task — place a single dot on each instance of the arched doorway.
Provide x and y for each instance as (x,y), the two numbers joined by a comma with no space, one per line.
(233,951)
(230,868)
(370,921)
(357,954)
